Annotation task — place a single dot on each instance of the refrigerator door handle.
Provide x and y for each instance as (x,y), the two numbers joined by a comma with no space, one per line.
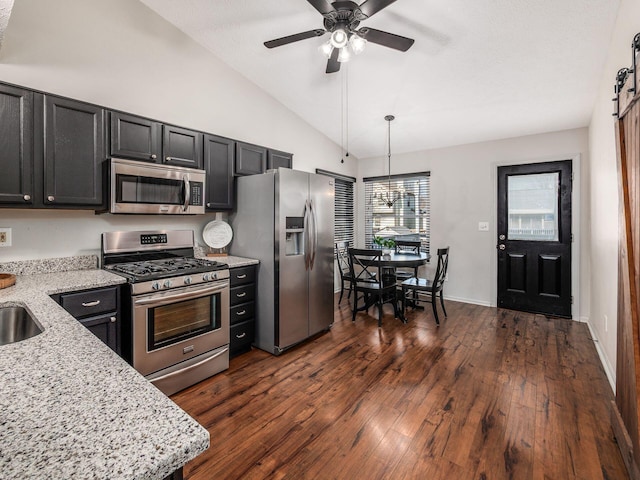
(314,223)
(306,240)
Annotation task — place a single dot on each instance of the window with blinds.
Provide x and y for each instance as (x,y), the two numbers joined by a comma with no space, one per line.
(343,207)
(407,218)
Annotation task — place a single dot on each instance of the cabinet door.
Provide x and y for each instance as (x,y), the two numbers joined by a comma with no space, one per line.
(134,137)
(276,159)
(16,146)
(74,153)
(181,147)
(219,153)
(250,159)
(105,327)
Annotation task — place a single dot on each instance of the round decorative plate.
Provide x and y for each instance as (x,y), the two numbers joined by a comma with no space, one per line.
(217,234)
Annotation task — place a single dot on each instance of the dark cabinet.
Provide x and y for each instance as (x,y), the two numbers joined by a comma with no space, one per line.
(242,305)
(136,138)
(16,146)
(139,138)
(219,153)
(74,153)
(98,310)
(181,147)
(250,159)
(277,159)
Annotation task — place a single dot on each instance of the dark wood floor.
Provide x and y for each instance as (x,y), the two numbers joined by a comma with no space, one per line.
(490,394)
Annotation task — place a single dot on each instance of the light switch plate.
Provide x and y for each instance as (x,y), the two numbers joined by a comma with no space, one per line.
(483,226)
(5,237)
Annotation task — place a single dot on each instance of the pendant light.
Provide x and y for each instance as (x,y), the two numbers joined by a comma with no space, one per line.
(388,201)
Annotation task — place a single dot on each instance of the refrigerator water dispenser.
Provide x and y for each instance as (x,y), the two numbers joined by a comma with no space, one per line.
(294,239)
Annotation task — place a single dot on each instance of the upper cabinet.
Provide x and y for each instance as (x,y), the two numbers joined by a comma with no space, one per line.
(16,146)
(250,159)
(135,138)
(277,159)
(74,152)
(139,138)
(181,147)
(219,154)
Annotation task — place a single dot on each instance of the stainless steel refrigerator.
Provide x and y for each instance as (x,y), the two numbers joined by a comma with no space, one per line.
(284,218)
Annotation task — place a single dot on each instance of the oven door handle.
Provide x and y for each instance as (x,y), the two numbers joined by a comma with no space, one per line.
(218,287)
(187,192)
(185,369)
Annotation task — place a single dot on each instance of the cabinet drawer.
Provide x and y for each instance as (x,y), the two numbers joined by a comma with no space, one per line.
(242,312)
(90,302)
(242,294)
(241,335)
(242,275)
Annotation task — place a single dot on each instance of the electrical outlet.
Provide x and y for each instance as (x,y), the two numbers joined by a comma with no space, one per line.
(5,237)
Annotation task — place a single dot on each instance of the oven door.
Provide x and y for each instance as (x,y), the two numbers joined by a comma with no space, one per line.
(176,325)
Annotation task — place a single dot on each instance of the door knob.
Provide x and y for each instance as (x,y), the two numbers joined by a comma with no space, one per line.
(501,246)
(502,237)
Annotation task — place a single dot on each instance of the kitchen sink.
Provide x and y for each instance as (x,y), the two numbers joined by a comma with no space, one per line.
(17,324)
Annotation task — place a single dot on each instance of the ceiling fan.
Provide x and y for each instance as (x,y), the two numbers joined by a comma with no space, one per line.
(341,20)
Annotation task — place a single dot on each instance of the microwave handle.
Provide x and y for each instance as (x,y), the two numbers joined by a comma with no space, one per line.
(187,192)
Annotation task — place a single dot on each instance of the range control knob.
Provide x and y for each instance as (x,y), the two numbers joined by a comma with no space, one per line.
(155,285)
(187,280)
(167,284)
(214,276)
(206,277)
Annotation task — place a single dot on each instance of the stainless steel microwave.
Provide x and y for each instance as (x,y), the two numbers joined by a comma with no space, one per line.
(149,188)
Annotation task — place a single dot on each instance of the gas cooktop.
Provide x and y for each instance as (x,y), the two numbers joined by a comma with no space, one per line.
(141,271)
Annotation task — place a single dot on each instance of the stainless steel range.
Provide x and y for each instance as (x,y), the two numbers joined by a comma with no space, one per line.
(176,318)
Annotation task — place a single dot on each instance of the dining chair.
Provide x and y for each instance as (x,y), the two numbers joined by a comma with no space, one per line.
(432,288)
(342,257)
(367,275)
(411,247)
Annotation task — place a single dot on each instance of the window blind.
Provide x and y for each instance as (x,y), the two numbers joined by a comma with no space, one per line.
(343,207)
(409,216)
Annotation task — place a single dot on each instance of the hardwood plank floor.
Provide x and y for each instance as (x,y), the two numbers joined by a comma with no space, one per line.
(490,394)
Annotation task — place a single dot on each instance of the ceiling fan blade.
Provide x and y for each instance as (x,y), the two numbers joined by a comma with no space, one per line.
(278,42)
(323,6)
(386,39)
(333,65)
(371,7)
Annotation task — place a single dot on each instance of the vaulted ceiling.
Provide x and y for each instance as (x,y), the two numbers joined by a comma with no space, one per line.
(479,70)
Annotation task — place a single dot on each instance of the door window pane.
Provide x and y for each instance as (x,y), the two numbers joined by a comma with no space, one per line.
(533,206)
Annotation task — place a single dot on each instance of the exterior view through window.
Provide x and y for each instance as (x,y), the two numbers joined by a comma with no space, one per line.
(398,207)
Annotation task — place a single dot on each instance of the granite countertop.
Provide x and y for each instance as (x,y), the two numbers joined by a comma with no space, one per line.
(71,408)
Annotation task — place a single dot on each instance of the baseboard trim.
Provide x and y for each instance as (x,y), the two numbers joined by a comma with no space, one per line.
(467,300)
(624,442)
(611,375)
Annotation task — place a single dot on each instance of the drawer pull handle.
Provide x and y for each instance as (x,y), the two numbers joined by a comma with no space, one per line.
(91,304)
(242,335)
(244,275)
(241,313)
(241,294)
(113,319)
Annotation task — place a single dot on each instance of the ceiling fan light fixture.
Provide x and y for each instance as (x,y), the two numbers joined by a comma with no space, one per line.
(339,38)
(344,55)
(357,43)
(326,49)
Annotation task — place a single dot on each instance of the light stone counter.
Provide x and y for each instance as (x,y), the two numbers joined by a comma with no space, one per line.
(71,408)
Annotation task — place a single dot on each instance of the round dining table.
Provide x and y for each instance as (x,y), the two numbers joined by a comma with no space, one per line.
(411,260)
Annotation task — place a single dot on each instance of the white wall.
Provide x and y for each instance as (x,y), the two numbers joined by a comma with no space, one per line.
(120,54)
(604,189)
(463,193)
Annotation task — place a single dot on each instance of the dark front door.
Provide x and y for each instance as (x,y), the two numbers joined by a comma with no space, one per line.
(534,238)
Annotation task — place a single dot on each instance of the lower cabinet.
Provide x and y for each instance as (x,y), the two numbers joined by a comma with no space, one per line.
(242,303)
(98,310)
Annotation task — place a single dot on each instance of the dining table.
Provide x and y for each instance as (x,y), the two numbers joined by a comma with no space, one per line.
(393,260)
